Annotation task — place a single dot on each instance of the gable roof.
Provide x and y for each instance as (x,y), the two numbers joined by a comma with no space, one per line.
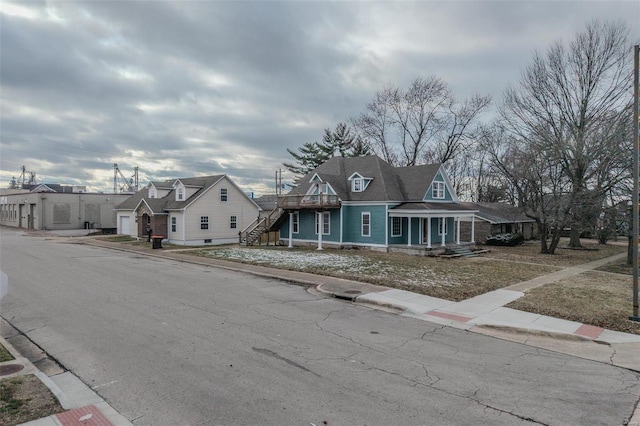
(388,183)
(168,202)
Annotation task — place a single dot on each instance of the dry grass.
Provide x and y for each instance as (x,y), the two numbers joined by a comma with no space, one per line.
(25,398)
(563,257)
(5,355)
(452,279)
(594,298)
(598,298)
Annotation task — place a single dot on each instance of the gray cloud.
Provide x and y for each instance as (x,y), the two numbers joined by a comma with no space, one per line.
(190,88)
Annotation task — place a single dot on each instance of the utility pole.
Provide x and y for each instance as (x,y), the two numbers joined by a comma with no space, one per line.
(636,173)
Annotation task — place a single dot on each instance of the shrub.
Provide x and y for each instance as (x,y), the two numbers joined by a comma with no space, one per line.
(505,240)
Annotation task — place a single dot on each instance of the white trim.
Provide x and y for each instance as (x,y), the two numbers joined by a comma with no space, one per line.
(295,214)
(315,175)
(392,226)
(362,234)
(370,203)
(341,223)
(291,229)
(442,229)
(320,223)
(433,190)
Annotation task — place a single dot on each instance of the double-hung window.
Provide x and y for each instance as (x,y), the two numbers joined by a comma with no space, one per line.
(295,222)
(438,190)
(366,224)
(180,194)
(326,223)
(396,226)
(234,222)
(174,224)
(224,195)
(204,222)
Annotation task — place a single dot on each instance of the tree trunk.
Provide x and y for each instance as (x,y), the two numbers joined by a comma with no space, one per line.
(555,239)
(574,240)
(543,231)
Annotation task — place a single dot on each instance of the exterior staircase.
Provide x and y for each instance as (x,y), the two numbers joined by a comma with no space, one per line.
(249,235)
(460,251)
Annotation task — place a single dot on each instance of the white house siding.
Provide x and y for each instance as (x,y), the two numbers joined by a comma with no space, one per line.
(219,214)
(128,228)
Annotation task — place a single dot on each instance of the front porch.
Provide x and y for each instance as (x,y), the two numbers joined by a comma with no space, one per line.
(429,226)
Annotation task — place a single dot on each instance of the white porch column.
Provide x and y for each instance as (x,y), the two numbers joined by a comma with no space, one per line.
(320,229)
(458,230)
(408,230)
(290,229)
(473,229)
(429,232)
(444,228)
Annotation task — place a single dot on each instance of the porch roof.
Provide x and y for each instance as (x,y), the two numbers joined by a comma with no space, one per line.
(425,209)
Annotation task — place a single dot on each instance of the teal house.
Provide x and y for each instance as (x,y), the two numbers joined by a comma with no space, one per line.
(364,201)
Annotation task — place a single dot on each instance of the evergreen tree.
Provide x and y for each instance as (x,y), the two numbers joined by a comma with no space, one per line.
(341,142)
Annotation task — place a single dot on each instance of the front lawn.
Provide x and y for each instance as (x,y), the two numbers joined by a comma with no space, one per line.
(452,279)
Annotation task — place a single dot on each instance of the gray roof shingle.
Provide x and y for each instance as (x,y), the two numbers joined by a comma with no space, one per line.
(388,183)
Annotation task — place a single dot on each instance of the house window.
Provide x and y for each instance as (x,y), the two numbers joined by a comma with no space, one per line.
(204,222)
(357,185)
(223,194)
(326,224)
(148,220)
(396,226)
(173,224)
(366,224)
(442,226)
(296,223)
(438,190)
(180,194)
(234,222)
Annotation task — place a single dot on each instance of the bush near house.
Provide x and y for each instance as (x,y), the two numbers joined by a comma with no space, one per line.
(510,240)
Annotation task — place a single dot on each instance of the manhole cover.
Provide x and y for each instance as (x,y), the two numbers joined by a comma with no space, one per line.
(5,370)
(352,292)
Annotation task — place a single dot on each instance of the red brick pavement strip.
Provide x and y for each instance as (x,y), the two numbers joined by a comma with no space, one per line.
(85,416)
(590,331)
(453,317)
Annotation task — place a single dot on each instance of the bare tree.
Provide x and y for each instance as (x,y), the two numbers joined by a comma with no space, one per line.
(422,123)
(572,105)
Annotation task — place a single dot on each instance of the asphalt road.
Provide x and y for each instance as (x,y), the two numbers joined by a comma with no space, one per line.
(169,343)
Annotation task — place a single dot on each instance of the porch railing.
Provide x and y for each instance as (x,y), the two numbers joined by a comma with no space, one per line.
(319,201)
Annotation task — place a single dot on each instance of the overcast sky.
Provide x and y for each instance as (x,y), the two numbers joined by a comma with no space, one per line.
(183,89)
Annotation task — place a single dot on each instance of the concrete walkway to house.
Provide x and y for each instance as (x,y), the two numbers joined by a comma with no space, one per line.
(483,314)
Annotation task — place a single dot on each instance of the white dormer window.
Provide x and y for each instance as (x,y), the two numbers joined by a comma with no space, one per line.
(356,185)
(180,194)
(358,182)
(438,190)
(153,193)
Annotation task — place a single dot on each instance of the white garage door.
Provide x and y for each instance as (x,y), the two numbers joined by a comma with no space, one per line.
(125,225)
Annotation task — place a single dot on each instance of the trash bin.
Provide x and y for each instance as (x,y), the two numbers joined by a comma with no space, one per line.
(156,241)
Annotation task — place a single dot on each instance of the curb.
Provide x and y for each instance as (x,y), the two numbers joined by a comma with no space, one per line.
(86,400)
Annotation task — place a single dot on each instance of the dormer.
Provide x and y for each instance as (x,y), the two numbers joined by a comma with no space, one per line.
(358,183)
(152,191)
(180,192)
(184,191)
(440,189)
